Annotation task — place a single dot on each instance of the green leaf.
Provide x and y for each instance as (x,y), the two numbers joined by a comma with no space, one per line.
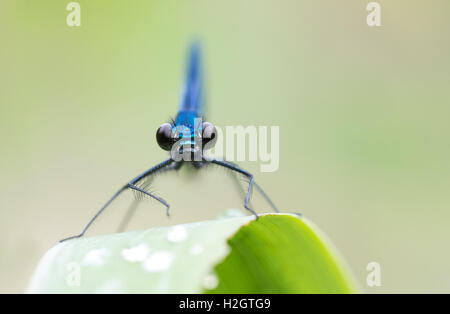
(282,254)
(278,253)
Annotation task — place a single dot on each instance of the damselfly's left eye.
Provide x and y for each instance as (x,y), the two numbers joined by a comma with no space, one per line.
(164,136)
(209,135)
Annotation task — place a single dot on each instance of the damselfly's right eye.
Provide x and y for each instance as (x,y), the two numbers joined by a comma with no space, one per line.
(164,136)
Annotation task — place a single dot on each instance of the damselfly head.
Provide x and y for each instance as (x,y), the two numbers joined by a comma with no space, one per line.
(187,139)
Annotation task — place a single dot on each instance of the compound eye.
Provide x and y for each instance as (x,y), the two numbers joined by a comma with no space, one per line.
(164,136)
(209,135)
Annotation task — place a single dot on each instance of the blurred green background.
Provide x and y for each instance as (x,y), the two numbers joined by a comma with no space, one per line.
(363,115)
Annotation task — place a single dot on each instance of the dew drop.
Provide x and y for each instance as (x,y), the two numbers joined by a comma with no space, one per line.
(196,249)
(136,254)
(210,282)
(159,261)
(177,234)
(96,257)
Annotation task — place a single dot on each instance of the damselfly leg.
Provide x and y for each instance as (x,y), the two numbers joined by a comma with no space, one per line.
(131,185)
(134,205)
(241,171)
(256,185)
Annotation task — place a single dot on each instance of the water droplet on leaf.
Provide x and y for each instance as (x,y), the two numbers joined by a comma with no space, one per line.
(177,234)
(210,282)
(96,257)
(196,249)
(136,254)
(159,261)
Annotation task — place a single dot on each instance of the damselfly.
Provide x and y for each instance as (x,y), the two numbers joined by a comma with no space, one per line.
(186,138)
